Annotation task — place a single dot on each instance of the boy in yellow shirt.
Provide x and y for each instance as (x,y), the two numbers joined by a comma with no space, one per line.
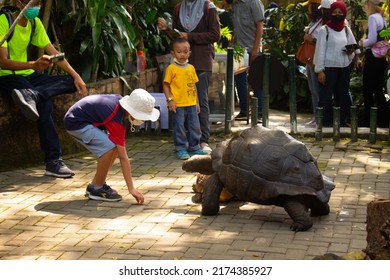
(182,99)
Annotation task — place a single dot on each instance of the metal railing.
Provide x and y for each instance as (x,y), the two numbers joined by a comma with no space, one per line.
(354,129)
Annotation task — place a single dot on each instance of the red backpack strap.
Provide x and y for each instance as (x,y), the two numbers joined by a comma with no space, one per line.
(109,118)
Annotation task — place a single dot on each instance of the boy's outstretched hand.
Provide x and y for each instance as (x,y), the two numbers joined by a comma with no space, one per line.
(137,195)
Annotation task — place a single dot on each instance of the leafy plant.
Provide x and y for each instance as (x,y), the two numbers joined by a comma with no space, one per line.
(98,35)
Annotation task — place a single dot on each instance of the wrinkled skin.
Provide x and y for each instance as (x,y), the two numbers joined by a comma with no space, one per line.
(266,167)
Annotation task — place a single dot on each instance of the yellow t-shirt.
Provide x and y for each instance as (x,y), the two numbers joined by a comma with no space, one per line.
(182,82)
(18,45)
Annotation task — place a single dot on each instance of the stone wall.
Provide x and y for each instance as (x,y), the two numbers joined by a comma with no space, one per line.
(19,140)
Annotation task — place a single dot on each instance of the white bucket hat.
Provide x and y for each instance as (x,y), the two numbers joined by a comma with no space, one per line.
(140,105)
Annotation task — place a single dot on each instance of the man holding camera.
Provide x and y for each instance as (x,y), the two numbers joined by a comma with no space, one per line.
(29,87)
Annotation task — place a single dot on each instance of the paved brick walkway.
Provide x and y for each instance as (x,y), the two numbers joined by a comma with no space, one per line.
(47,218)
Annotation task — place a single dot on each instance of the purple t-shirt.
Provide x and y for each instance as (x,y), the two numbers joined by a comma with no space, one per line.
(95,109)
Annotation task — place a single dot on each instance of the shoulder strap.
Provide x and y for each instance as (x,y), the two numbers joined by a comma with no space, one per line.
(33,27)
(109,118)
(8,12)
(327,32)
(10,18)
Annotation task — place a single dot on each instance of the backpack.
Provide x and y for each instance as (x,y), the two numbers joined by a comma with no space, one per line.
(8,11)
(206,9)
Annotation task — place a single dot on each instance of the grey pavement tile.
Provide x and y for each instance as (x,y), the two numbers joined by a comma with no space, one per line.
(48,218)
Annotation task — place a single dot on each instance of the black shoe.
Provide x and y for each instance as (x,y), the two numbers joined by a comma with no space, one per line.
(105,193)
(57,168)
(26,102)
(241,116)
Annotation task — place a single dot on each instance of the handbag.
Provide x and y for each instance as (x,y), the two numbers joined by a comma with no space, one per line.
(380,48)
(305,53)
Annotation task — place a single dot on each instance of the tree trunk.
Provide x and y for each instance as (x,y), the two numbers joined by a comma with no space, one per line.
(46,19)
(378,230)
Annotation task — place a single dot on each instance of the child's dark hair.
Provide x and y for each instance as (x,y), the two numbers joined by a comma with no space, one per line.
(178,41)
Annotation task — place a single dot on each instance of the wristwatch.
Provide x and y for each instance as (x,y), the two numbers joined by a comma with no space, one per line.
(169,100)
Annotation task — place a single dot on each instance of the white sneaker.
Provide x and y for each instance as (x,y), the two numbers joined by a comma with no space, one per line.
(205,147)
(312,123)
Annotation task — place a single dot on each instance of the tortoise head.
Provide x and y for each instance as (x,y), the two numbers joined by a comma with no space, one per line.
(201,164)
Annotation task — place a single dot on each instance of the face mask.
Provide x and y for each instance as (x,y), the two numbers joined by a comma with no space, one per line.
(337,18)
(134,122)
(31,13)
(177,62)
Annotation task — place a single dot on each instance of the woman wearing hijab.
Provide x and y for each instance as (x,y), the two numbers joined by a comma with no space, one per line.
(374,68)
(332,64)
(197,21)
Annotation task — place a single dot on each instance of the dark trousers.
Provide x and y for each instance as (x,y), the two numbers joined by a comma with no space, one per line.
(373,79)
(202,87)
(45,87)
(335,92)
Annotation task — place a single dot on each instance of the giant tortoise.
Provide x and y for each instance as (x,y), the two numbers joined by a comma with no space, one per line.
(268,167)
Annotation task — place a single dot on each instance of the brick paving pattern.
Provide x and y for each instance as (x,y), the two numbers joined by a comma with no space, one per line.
(46,218)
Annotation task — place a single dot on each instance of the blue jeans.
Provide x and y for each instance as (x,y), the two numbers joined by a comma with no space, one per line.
(45,87)
(203,95)
(186,129)
(241,83)
(314,87)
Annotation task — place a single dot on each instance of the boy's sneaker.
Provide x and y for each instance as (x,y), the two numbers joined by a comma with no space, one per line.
(104,193)
(205,147)
(182,154)
(57,168)
(197,152)
(26,103)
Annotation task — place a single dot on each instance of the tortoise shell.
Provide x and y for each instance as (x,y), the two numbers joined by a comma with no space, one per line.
(262,165)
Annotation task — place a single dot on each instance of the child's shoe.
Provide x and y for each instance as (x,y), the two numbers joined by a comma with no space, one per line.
(198,152)
(182,154)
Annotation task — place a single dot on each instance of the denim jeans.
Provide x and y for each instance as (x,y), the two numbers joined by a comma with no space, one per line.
(186,129)
(45,86)
(203,95)
(314,86)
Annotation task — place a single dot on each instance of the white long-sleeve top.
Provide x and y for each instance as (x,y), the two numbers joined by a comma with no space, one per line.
(329,51)
(375,23)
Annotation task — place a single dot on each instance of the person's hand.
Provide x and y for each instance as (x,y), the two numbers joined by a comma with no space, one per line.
(172,106)
(162,23)
(42,63)
(197,108)
(254,53)
(137,195)
(321,77)
(80,86)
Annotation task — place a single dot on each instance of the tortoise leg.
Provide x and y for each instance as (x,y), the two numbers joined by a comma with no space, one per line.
(320,210)
(210,198)
(299,214)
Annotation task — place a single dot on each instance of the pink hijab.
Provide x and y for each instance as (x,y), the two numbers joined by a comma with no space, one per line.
(337,26)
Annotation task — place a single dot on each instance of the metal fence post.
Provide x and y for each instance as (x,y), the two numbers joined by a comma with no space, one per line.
(373,118)
(336,124)
(293,93)
(319,114)
(229,90)
(354,124)
(265,97)
(255,111)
